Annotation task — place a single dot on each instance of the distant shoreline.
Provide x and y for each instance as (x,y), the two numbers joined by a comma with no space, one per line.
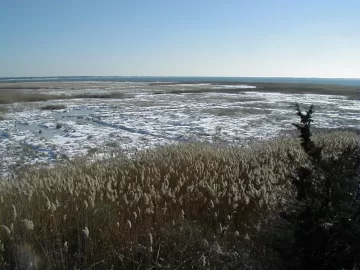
(352,92)
(289,88)
(182,79)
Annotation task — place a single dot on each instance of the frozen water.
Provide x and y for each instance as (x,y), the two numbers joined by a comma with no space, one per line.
(29,135)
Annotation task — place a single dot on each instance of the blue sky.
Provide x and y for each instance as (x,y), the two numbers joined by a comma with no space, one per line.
(277,38)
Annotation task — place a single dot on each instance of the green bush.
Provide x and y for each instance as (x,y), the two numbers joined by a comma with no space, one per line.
(324,222)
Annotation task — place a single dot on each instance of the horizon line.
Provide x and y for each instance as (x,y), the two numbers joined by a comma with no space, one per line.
(178,76)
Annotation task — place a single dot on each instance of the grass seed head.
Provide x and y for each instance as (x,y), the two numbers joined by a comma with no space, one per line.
(86,232)
(6,230)
(128,223)
(14,212)
(151,239)
(29,224)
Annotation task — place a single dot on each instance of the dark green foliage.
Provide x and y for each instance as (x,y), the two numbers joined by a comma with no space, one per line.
(324,223)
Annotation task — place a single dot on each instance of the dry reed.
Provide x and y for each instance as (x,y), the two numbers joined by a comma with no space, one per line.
(153,209)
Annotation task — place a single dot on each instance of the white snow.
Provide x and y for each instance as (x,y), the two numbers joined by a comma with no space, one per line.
(30,135)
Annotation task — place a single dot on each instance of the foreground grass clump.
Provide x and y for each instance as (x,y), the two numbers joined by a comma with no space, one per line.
(190,205)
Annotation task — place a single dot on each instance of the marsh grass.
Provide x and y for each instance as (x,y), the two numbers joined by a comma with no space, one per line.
(53,107)
(351,92)
(223,111)
(203,90)
(102,95)
(3,110)
(233,111)
(12,96)
(189,205)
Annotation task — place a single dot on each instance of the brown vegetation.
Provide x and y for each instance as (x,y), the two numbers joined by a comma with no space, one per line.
(187,205)
(288,88)
(3,110)
(12,96)
(53,107)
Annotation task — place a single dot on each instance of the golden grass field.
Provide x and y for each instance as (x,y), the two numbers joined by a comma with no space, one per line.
(178,206)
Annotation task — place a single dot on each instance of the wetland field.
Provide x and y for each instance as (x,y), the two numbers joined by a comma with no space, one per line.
(42,122)
(189,175)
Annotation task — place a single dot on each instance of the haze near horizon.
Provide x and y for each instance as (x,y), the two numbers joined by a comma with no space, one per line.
(184,38)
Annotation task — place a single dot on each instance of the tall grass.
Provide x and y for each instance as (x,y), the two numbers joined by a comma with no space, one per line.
(178,206)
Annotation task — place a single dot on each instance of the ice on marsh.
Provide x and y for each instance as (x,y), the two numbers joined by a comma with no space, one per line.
(30,135)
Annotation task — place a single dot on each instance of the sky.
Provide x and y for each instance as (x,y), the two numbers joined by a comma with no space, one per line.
(235,38)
